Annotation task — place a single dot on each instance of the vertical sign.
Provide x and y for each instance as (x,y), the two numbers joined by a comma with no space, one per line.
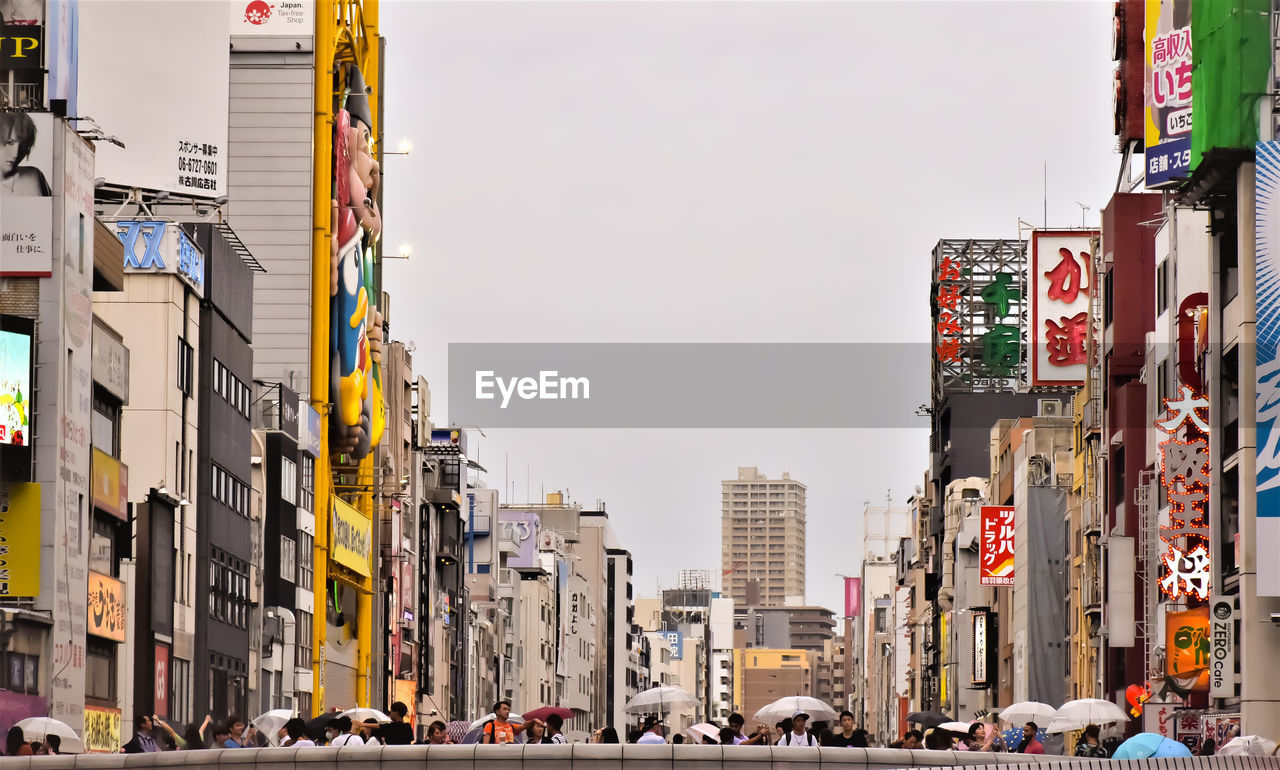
(980,649)
(26,205)
(1222,651)
(1267,352)
(1167,97)
(978,311)
(1062,282)
(995,546)
(1184,471)
(162,680)
(1187,648)
(20,542)
(852,597)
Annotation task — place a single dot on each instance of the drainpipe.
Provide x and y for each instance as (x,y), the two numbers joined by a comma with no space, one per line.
(288,669)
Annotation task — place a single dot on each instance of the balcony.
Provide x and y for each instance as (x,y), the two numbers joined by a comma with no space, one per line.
(22,96)
(449,550)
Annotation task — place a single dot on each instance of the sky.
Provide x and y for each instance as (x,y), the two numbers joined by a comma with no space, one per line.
(721,172)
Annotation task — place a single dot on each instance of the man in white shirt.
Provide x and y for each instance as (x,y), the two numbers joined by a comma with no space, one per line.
(652,731)
(347,736)
(798,736)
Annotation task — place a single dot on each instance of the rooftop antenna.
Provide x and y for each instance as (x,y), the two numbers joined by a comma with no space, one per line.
(1046,194)
(1083,212)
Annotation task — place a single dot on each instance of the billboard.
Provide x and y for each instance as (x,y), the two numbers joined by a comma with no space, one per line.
(995,546)
(1167,96)
(1184,472)
(16,358)
(521,529)
(20,542)
(21,47)
(155,246)
(26,203)
(1267,361)
(852,597)
(351,538)
(1061,273)
(978,301)
(264,18)
(1187,648)
(110,479)
(101,730)
(106,607)
(170,115)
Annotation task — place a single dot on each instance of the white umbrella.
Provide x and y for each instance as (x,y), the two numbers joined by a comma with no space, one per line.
(473,732)
(955,727)
(784,708)
(1077,714)
(1247,745)
(1028,711)
(364,714)
(269,724)
(704,730)
(661,700)
(39,728)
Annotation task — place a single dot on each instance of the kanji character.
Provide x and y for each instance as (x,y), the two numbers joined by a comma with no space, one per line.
(1002,348)
(948,325)
(1187,573)
(1188,502)
(948,350)
(947,271)
(948,296)
(999,294)
(1159,51)
(1065,280)
(1188,462)
(1065,339)
(1186,407)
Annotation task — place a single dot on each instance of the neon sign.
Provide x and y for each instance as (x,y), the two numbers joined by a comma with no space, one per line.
(1184,471)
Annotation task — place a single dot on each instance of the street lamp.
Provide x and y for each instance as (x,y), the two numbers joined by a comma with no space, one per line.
(406,251)
(405,147)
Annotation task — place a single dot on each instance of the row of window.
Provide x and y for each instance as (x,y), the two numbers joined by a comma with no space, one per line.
(228,589)
(231,388)
(230,491)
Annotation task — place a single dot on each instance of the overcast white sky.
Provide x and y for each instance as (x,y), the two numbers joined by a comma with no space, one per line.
(721,172)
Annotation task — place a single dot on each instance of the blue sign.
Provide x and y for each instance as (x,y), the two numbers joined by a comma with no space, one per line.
(675,643)
(1267,361)
(1168,162)
(155,246)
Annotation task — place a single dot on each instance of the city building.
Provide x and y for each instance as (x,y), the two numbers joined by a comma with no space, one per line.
(762,676)
(762,540)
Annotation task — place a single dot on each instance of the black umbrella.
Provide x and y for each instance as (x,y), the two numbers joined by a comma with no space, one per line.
(315,728)
(927,719)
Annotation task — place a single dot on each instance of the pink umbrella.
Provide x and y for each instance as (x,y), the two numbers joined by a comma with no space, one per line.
(546,711)
(457,730)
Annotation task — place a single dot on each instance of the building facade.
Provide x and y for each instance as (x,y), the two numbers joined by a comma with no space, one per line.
(762,541)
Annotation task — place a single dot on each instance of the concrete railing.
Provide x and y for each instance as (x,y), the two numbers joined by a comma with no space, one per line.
(612,757)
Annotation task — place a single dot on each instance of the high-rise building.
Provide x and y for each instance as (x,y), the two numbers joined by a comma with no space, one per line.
(763,539)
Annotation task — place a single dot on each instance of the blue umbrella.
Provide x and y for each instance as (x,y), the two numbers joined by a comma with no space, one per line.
(1150,746)
(1013,737)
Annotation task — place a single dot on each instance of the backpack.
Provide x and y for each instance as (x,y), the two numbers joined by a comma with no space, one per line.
(807,737)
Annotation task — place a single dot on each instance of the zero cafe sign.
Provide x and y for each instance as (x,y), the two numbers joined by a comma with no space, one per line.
(152,246)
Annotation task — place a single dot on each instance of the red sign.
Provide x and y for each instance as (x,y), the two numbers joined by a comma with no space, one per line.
(852,597)
(1184,470)
(1061,274)
(995,547)
(162,680)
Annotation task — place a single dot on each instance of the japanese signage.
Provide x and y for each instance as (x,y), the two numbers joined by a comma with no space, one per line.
(978,299)
(110,484)
(1267,372)
(351,538)
(995,546)
(520,529)
(106,607)
(16,352)
(674,642)
(1187,648)
(20,47)
(1222,649)
(980,649)
(309,430)
(154,246)
(177,143)
(295,18)
(26,205)
(101,730)
(1184,471)
(162,680)
(1167,96)
(1062,274)
(289,412)
(852,597)
(110,362)
(20,542)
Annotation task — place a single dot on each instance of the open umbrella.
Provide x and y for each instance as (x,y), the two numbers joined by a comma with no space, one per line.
(955,727)
(269,724)
(661,700)
(1150,746)
(39,728)
(788,706)
(1078,714)
(704,730)
(315,727)
(1247,745)
(927,718)
(546,711)
(473,732)
(457,730)
(1028,711)
(365,714)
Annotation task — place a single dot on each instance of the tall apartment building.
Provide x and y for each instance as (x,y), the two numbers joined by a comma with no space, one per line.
(763,539)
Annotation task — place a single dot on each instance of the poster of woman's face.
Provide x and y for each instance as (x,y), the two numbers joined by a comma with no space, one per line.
(26,157)
(23,12)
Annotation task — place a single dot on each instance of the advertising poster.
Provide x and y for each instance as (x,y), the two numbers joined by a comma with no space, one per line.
(15,387)
(1062,276)
(1187,648)
(980,650)
(351,538)
(26,187)
(20,536)
(62,58)
(995,546)
(102,730)
(1167,97)
(1267,353)
(264,18)
(852,597)
(106,607)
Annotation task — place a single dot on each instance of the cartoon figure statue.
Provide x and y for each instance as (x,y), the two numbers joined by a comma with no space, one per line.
(355,338)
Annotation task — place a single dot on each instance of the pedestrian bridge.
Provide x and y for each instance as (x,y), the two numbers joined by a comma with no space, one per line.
(612,757)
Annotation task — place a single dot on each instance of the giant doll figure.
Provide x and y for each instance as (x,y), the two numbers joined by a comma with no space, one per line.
(355,335)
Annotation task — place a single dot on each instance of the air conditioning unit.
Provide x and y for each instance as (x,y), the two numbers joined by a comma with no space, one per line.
(1048,407)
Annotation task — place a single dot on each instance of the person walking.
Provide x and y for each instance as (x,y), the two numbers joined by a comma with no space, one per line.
(798,735)
(913,739)
(53,744)
(296,732)
(499,730)
(438,734)
(1030,745)
(554,723)
(1089,745)
(237,736)
(848,737)
(345,733)
(605,734)
(142,742)
(652,732)
(397,732)
(759,737)
(536,732)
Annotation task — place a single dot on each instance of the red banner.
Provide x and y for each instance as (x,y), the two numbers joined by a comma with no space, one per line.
(995,546)
(162,681)
(852,597)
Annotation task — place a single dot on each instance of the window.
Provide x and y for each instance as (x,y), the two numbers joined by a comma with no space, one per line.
(180,702)
(184,366)
(231,388)
(304,703)
(288,481)
(303,640)
(100,670)
(106,416)
(230,491)
(307,492)
(228,589)
(1162,287)
(306,572)
(288,559)
(21,676)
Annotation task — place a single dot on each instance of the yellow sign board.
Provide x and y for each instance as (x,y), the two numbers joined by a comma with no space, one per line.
(101,730)
(351,538)
(110,485)
(106,607)
(20,542)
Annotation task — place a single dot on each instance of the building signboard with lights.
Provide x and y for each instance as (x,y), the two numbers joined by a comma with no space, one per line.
(978,298)
(1061,272)
(1184,472)
(995,545)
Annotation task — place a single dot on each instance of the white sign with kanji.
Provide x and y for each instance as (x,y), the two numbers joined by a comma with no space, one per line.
(1061,276)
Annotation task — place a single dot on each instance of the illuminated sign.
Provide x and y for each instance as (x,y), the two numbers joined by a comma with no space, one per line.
(980,649)
(1167,97)
(20,542)
(1061,273)
(15,385)
(995,546)
(1184,471)
(351,538)
(1222,647)
(153,246)
(101,730)
(110,484)
(106,607)
(1187,648)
